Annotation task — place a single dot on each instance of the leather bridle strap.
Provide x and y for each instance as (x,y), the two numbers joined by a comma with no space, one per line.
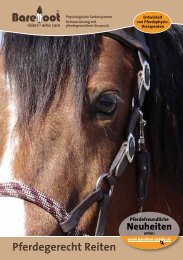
(126,152)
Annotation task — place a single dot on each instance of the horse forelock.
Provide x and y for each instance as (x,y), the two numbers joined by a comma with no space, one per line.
(42,67)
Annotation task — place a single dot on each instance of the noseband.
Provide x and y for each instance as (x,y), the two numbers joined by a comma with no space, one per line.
(106,182)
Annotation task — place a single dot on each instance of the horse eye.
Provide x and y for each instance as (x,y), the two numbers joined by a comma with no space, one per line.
(106,105)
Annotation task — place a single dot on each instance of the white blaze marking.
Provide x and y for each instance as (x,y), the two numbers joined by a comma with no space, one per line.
(12,212)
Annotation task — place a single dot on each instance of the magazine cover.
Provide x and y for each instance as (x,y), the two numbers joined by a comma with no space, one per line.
(91,129)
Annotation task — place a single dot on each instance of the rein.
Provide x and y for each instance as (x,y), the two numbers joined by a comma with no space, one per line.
(106,182)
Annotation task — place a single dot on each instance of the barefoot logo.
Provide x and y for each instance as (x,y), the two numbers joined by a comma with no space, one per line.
(39,14)
(39,18)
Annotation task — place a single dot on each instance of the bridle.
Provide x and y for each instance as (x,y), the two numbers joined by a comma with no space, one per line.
(106,182)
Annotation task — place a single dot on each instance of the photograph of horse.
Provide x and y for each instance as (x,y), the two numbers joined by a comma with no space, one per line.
(91,131)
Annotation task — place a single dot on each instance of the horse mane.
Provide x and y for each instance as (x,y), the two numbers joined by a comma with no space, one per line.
(164,105)
(39,67)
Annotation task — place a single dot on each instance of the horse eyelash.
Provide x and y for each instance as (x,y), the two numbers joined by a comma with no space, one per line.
(116,97)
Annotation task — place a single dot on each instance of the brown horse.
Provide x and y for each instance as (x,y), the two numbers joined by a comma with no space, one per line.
(64,111)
